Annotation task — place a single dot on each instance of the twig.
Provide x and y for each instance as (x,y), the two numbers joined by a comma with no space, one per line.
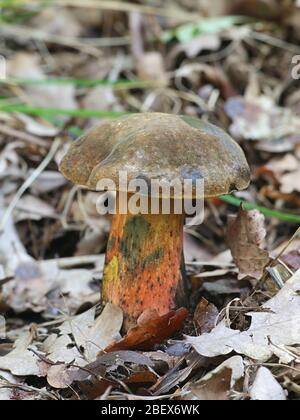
(210,264)
(78,261)
(24,33)
(136,30)
(275,42)
(68,204)
(123,6)
(275,365)
(276,260)
(82,83)
(5,384)
(35,174)
(220,55)
(5,281)
(296,234)
(12,132)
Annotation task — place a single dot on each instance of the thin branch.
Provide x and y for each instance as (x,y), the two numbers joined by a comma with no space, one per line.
(123,6)
(35,174)
(275,42)
(25,34)
(12,132)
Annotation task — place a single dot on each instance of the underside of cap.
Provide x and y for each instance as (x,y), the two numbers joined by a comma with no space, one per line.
(160,147)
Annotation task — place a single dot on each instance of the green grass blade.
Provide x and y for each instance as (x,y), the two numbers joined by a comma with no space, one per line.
(285,217)
(187,32)
(81,83)
(44,112)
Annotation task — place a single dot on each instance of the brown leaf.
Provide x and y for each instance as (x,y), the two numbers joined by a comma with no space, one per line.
(292,260)
(259,118)
(61,375)
(273,194)
(217,384)
(202,74)
(150,332)
(147,316)
(95,388)
(288,163)
(150,67)
(216,388)
(245,236)
(144,377)
(290,182)
(205,317)
(193,47)
(263,9)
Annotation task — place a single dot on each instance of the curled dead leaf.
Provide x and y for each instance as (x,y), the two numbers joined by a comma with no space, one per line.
(151,332)
(244,237)
(205,317)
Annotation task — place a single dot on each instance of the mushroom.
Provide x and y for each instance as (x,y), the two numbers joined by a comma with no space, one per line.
(144,254)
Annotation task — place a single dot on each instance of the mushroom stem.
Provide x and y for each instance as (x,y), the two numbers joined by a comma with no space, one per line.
(143,265)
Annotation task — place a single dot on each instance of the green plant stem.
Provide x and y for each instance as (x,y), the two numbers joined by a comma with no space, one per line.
(83,83)
(285,217)
(44,112)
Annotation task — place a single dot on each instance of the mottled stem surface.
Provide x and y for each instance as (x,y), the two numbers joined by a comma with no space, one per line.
(143,263)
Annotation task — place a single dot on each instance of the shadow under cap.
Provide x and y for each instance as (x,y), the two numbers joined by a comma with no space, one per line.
(162,147)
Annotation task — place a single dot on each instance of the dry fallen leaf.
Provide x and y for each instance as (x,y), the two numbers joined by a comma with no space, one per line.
(288,163)
(91,335)
(271,332)
(12,251)
(48,181)
(61,376)
(37,128)
(43,286)
(150,67)
(61,349)
(292,259)
(193,47)
(30,207)
(205,317)
(142,377)
(102,98)
(203,74)
(63,23)
(216,388)
(266,388)
(263,9)
(216,385)
(21,361)
(258,118)
(152,331)
(27,66)
(244,237)
(290,182)
(11,389)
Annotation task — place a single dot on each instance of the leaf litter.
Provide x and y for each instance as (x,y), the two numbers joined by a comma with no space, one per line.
(240,339)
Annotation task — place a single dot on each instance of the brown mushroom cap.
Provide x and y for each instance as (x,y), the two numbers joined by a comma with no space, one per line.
(158,146)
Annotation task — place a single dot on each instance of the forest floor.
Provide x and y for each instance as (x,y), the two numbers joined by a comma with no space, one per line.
(68,65)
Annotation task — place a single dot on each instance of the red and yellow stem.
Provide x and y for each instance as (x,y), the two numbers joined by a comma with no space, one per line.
(143,264)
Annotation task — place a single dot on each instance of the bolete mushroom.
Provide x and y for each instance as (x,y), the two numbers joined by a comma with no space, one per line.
(144,254)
